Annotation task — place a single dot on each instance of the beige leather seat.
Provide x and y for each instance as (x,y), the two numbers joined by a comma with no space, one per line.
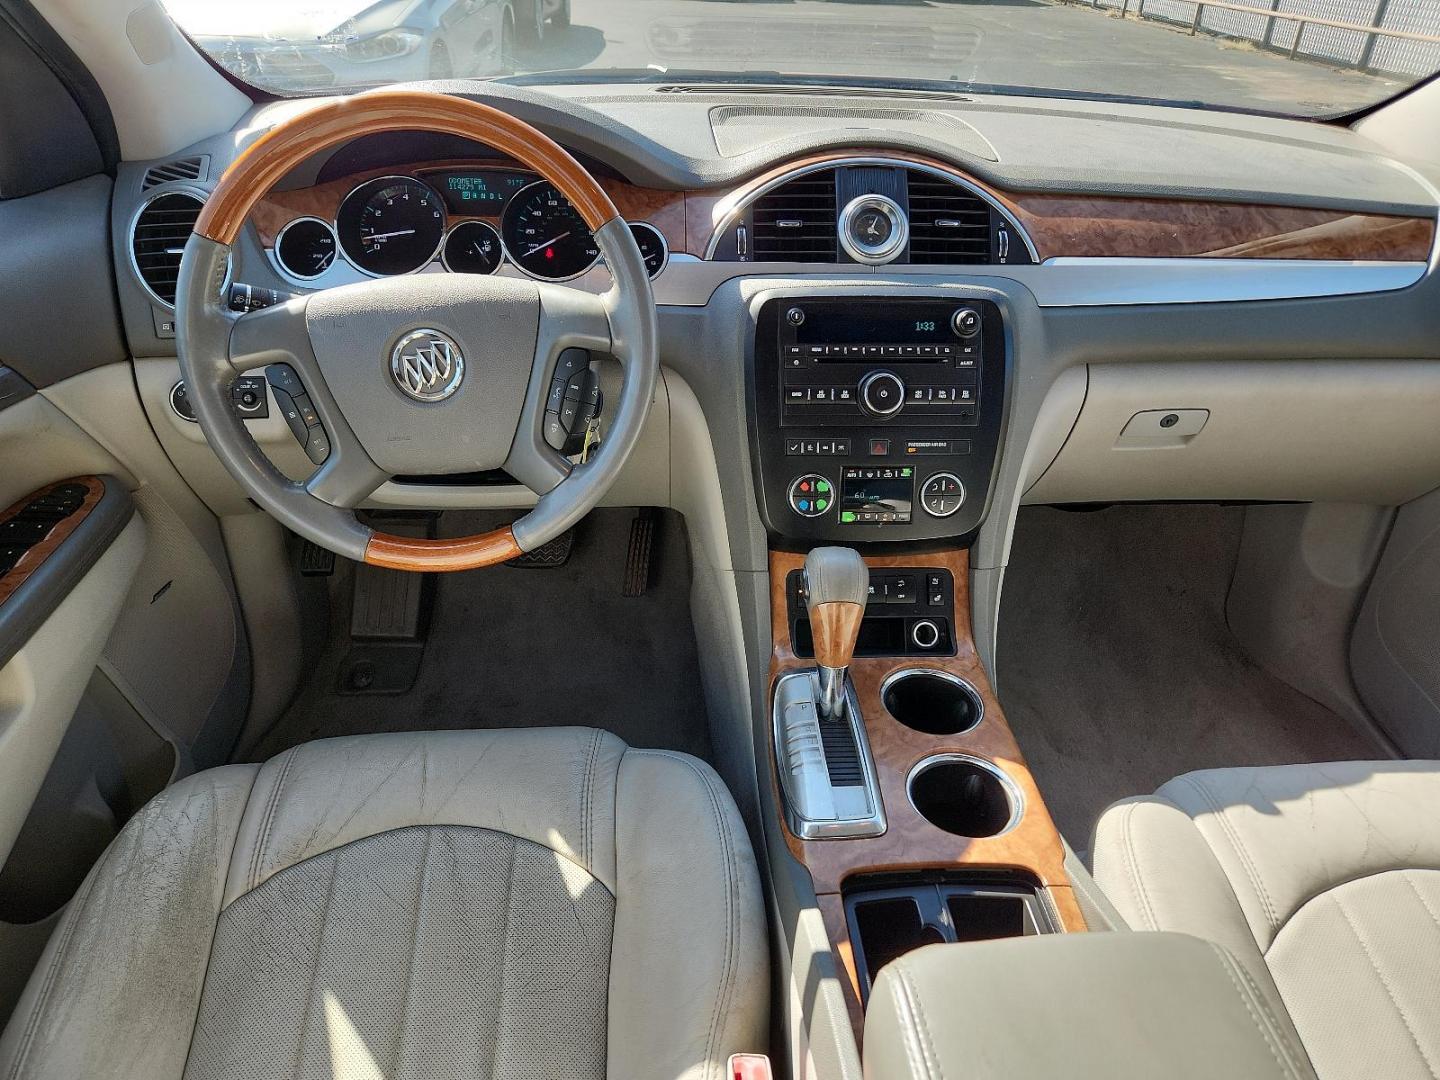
(1323,880)
(511,904)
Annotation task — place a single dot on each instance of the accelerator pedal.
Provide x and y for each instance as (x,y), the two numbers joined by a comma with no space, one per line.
(547,556)
(640,556)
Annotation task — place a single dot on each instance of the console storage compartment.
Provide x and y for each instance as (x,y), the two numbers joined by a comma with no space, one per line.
(888,918)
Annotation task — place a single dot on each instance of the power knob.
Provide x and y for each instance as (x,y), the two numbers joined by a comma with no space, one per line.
(882,393)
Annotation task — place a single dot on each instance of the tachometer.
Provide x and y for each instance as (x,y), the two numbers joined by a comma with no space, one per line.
(391,225)
(546,236)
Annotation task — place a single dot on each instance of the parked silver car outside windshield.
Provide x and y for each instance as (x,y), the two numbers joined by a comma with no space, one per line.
(1300,57)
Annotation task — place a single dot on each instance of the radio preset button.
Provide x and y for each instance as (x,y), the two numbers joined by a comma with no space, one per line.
(882,393)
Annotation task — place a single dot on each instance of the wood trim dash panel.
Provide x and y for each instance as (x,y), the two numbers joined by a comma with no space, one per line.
(61,531)
(1032,847)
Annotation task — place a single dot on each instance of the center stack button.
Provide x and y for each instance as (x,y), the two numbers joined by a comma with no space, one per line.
(882,393)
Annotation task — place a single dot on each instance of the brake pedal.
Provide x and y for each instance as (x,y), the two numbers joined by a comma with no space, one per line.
(547,556)
(641,553)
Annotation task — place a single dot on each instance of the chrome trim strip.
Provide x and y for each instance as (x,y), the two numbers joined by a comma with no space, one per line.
(838,829)
(1011,789)
(1068,283)
(733,205)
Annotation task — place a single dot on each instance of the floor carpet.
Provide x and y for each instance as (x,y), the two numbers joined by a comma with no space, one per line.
(1117,670)
(513,647)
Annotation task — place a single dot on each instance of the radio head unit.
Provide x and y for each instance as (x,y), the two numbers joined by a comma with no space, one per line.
(876,417)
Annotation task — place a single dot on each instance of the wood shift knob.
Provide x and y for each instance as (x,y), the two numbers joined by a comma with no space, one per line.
(837,584)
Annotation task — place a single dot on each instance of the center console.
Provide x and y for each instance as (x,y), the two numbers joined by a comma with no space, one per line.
(876,418)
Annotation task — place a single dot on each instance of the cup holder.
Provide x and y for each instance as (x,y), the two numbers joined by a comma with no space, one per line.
(930,701)
(964,795)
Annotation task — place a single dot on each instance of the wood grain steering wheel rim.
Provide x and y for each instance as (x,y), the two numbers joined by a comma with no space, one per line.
(252,175)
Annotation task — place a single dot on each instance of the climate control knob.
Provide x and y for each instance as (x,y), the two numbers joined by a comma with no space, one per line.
(942,495)
(811,495)
(882,393)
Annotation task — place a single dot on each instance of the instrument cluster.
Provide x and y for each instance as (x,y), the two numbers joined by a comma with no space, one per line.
(402,224)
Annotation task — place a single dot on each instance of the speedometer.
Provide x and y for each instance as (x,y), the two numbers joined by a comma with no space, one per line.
(546,236)
(391,225)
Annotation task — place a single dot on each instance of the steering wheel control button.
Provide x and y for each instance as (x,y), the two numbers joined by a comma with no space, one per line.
(427,365)
(942,495)
(873,230)
(811,495)
(573,403)
(882,394)
(965,322)
(299,411)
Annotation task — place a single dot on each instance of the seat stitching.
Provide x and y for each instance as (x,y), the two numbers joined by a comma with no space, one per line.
(1405,876)
(1228,964)
(1146,908)
(315,967)
(588,835)
(722,998)
(268,820)
(414,948)
(1264,1006)
(51,977)
(922,1026)
(504,959)
(1233,835)
(1384,982)
(909,1027)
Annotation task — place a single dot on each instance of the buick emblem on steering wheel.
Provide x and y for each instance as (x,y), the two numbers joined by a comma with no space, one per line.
(427,365)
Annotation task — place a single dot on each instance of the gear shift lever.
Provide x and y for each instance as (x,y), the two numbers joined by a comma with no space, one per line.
(837,584)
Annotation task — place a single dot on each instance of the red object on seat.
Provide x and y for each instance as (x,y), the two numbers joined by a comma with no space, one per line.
(750,1067)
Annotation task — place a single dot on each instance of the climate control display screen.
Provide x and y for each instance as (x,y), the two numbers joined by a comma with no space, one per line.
(883,495)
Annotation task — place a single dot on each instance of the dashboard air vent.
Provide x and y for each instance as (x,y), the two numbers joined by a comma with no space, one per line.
(948,223)
(190,168)
(158,241)
(796,221)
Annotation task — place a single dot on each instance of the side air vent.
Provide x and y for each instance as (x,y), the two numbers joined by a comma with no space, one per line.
(948,223)
(158,241)
(796,221)
(190,168)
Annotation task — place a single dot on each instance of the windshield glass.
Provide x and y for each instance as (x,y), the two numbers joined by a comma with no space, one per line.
(1299,57)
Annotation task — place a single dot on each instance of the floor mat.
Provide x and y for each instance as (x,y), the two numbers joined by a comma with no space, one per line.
(1117,670)
(520,647)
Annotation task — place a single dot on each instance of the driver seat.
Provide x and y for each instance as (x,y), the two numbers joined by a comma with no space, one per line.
(513,904)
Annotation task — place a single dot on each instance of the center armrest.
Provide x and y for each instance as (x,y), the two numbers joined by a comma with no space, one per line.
(1112,1006)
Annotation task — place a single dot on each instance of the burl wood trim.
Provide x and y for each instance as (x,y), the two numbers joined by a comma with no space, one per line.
(1105,226)
(289,144)
(832,624)
(663,209)
(1033,847)
(1081,226)
(61,531)
(442,556)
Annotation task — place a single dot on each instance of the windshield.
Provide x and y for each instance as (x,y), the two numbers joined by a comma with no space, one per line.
(1298,57)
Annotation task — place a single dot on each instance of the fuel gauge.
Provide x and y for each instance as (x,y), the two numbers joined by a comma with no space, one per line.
(653,248)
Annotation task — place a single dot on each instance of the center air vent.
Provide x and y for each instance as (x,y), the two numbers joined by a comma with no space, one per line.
(796,221)
(948,223)
(158,240)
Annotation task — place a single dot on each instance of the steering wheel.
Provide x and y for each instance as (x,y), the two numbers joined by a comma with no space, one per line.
(422,374)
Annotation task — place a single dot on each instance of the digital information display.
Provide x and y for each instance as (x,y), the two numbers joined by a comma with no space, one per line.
(480,191)
(877,324)
(877,495)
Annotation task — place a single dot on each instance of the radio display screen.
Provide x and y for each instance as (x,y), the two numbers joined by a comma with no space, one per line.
(878,324)
(866,496)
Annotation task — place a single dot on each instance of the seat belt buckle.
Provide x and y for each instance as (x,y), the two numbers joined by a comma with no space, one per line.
(750,1067)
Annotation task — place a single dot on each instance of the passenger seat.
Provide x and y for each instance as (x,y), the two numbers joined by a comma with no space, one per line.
(1323,880)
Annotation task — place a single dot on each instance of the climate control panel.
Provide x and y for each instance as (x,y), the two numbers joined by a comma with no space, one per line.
(876,418)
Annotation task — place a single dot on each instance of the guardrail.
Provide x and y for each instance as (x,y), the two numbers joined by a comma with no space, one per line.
(1303,20)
